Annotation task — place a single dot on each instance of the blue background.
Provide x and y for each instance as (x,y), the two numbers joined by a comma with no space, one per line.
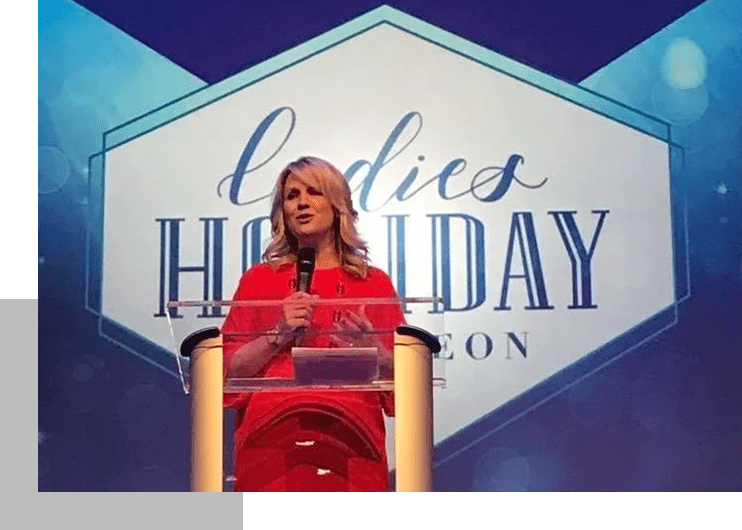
(665,416)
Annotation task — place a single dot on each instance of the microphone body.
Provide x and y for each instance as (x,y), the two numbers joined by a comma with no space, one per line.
(305,269)
(304,272)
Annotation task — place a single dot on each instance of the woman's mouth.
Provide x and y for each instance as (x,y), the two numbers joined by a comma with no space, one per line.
(302,218)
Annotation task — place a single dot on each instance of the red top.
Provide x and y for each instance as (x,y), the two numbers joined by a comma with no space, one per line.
(361,410)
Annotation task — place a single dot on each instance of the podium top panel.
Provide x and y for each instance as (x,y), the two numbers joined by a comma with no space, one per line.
(302,342)
(435,302)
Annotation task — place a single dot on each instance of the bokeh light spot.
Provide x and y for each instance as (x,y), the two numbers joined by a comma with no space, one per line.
(684,64)
(82,373)
(501,469)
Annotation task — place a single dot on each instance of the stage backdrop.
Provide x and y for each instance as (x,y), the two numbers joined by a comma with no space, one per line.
(585,239)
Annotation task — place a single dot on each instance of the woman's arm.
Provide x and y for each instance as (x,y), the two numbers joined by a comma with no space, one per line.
(249,358)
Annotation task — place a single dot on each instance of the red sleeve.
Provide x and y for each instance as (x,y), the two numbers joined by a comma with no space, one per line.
(239,319)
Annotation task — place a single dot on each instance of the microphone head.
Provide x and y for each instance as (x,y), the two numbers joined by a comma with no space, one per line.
(304,268)
(306,254)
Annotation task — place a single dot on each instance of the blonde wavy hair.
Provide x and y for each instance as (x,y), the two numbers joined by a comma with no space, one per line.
(351,250)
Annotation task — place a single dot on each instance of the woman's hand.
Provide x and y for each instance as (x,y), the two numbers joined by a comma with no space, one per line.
(296,315)
(354,329)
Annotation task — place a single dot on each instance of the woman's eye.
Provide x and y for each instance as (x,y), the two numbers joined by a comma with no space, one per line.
(291,195)
(313,191)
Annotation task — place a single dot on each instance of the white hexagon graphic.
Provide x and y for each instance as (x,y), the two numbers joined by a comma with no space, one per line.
(540,211)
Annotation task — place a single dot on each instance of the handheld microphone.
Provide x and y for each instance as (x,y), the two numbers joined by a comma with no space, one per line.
(304,269)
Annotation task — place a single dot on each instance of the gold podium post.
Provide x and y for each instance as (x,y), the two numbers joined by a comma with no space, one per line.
(413,410)
(207,415)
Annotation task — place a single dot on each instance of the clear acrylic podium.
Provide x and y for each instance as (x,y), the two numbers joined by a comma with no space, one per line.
(370,344)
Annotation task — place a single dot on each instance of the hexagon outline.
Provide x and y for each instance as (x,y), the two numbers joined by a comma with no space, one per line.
(518,405)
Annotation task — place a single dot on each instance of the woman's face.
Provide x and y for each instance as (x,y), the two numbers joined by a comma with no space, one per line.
(307,212)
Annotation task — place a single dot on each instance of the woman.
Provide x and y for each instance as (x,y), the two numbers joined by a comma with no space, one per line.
(308,441)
